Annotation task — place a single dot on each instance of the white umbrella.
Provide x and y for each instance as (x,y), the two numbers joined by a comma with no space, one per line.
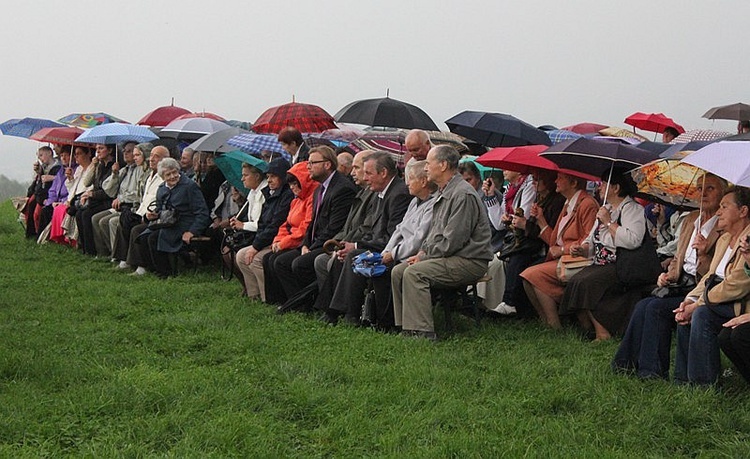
(726,159)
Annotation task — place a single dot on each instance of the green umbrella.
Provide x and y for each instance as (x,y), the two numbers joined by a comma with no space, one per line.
(231,163)
(483,170)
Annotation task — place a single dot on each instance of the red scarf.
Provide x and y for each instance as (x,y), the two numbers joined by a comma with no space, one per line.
(511,192)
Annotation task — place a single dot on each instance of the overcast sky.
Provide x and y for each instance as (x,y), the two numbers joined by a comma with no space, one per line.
(547,61)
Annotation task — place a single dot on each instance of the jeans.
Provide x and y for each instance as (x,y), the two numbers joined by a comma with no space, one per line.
(735,342)
(698,359)
(647,341)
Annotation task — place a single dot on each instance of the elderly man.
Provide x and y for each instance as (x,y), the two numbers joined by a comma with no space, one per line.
(391,201)
(455,252)
(45,170)
(331,203)
(345,160)
(291,141)
(186,163)
(417,144)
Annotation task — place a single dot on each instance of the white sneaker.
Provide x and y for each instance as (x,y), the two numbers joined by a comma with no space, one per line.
(139,271)
(123,265)
(113,260)
(504,309)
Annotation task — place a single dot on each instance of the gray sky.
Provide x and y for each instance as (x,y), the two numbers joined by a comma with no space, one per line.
(547,62)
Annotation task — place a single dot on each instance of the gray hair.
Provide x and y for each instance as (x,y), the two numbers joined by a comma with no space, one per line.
(145,148)
(383,161)
(417,169)
(448,154)
(167,164)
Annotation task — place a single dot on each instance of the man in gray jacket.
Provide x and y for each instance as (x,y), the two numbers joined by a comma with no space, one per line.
(455,252)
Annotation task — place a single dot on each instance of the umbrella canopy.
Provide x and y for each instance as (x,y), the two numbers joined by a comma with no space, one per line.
(652,122)
(192,128)
(614,131)
(116,133)
(258,143)
(678,150)
(230,164)
(585,128)
(213,116)
(655,147)
(561,135)
(89,120)
(484,171)
(670,182)
(65,135)
(737,112)
(162,116)
(595,157)
(26,127)
(217,141)
(386,112)
(734,164)
(524,159)
(392,141)
(700,134)
(304,117)
(239,124)
(496,129)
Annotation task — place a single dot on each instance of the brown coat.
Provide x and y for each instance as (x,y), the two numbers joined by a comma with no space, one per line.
(577,227)
(736,284)
(683,239)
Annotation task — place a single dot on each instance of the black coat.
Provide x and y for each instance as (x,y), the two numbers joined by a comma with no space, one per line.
(186,198)
(273,214)
(333,211)
(389,214)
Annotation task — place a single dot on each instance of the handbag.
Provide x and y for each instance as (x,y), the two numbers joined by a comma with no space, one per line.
(167,218)
(639,266)
(568,266)
(237,239)
(76,205)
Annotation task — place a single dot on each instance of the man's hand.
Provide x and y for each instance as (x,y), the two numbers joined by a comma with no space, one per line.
(305,250)
(684,312)
(187,236)
(348,247)
(387,258)
(116,204)
(250,255)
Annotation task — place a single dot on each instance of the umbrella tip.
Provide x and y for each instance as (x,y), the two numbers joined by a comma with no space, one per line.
(292,98)
(387,92)
(172,101)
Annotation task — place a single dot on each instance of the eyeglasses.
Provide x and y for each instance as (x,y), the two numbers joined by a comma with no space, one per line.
(318,162)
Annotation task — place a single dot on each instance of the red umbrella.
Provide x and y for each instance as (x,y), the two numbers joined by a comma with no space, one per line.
(585,128)
(210,115)
(59,135)
(160,117)
(524,160)
(652,122)
(304,117)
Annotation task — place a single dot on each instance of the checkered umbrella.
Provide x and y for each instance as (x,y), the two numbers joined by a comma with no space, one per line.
(89,120)
(561,135)
(258,143)
(116,133)
(25,127)
(304,117)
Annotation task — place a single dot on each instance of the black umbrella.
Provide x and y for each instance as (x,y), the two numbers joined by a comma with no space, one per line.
(738,112)
(655,147)
(595,157)
(386,112)
(496,129)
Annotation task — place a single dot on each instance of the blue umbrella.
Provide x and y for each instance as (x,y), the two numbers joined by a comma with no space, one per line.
(230,164)
(116,133)
(26,127)
(257,143)
(561,135)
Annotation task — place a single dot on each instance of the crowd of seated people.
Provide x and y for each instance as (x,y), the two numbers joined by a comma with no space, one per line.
(297,229)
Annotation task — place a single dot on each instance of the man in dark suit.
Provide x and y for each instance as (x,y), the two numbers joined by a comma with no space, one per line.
(343,289)
(291,141)
(331,204)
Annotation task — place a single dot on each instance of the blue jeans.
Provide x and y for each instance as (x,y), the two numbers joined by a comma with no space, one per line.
(698,359)
(647,341)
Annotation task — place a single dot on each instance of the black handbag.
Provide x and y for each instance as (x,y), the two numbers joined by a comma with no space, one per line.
(639,266)
(237,239)
(167,218)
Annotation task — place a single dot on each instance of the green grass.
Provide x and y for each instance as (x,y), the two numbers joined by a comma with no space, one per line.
(97,363)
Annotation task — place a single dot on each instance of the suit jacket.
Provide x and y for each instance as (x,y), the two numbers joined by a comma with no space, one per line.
(357,222)
(577,227)
(333,211)
(304,153)
(736,284)
(683,239)
(388,215)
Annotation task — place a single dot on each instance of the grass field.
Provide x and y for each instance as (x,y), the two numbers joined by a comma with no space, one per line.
(100,364)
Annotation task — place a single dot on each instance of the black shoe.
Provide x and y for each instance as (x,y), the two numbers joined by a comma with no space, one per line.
(329,318)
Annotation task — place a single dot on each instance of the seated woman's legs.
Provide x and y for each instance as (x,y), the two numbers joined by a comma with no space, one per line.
(545,305)
(735,342)
(698,358)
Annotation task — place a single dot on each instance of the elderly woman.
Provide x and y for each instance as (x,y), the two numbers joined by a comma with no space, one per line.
(184,196)
(543,288)
(96,199)
(505,291)
(592,294)
(274,212)
(720,295)
(245,223)
(645,347)
(291,233)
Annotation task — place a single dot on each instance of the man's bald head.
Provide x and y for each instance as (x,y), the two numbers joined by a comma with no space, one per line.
(418,144)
